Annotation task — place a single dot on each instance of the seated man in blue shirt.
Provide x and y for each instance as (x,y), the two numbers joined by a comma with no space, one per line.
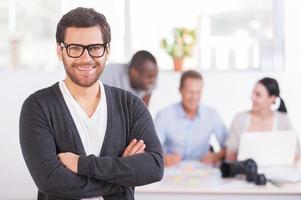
(184,128)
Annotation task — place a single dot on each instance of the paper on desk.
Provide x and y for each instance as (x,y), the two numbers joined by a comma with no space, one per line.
(191,173)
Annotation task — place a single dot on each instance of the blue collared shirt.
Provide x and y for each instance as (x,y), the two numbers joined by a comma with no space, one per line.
(189,137)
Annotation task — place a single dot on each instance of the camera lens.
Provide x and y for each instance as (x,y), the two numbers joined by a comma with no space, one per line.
(260,179)
(247,167)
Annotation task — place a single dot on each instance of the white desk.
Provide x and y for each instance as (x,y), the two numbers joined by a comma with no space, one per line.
(189,182)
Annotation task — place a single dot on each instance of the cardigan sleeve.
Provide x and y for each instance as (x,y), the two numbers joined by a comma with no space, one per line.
(39,151)
(132,170)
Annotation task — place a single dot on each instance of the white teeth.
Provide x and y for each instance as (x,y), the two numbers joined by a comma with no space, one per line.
(85,68)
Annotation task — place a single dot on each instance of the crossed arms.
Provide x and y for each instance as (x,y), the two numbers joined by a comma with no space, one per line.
(96,176)
(70,160)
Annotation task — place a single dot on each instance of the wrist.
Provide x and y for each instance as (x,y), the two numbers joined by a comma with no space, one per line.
(84,165)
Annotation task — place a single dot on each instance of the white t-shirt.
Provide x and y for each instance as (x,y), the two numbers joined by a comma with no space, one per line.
(91,129)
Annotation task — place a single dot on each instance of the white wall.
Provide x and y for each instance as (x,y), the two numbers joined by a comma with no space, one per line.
(15,86)
(293,58)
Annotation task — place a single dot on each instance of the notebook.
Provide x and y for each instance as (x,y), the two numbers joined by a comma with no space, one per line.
(277,148)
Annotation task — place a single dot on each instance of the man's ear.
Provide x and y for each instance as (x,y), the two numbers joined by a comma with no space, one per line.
(59,52)
(134,72)
(107,54)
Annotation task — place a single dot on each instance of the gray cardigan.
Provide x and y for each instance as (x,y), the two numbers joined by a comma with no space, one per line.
(47,128)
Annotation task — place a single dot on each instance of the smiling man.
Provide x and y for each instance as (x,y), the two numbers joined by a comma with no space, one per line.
(80,138)
(184,128)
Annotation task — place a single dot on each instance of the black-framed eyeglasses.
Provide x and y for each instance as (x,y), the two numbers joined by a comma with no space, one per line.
(77,50)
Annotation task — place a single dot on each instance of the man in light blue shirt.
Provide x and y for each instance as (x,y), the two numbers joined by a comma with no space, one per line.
(185,128)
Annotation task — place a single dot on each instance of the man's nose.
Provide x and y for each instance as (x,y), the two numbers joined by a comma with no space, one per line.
(86,56)
(195,97)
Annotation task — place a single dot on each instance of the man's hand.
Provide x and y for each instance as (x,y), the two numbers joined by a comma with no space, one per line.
(213,158)
(135,147)
(70,160)
(209,158)
(231,156)
(172,159)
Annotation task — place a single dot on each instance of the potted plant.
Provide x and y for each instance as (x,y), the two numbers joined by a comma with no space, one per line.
(181,45)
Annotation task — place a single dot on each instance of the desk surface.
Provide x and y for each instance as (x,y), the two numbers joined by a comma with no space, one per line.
(195,178)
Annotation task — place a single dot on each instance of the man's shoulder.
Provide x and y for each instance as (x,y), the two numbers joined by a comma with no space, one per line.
(114,90)
(41,99)
(118,93)
(171,109)
(209,112)
(123,101)
(208,109)
(44,93)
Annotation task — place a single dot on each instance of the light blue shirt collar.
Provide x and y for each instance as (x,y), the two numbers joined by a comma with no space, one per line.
(183,114)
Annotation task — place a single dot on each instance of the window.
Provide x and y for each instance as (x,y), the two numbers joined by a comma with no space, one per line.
(232,34)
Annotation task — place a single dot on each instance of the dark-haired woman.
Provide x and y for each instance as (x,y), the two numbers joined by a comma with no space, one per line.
(261,117)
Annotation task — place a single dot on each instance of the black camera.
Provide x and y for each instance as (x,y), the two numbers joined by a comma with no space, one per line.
(247,167)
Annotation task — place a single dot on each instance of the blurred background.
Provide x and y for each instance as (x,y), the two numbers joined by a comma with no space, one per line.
(237,42)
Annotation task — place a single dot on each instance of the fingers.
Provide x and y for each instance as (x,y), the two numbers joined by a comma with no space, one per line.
(135,147)
(62,156)
(65,155)
(69,160)
(141,149)
(168,160)
(129,147)
(208,159)
(177,158)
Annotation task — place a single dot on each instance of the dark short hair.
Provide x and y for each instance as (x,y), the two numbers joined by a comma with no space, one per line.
(83,18)
(189,74)
(140,57)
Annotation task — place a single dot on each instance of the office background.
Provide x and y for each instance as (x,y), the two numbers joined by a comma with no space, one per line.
(238,42)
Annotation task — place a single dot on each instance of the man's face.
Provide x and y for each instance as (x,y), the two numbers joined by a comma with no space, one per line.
(191,93)
(85,70)
(146,78)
